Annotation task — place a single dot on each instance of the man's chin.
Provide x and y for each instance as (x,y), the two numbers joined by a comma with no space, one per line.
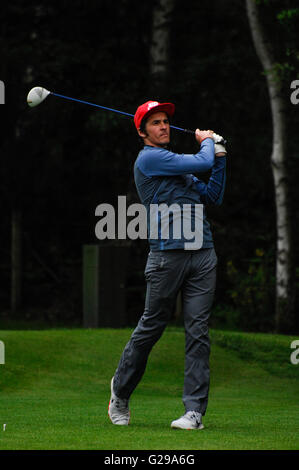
(164,145)
(160,143)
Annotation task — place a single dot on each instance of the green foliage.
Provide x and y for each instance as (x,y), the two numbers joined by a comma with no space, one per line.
(252,292)
(287,16)
(282,23)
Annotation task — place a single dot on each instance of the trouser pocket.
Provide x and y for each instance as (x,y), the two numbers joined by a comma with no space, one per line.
(155,262)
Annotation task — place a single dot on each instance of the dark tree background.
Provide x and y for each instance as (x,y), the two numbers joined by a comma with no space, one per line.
(62,159)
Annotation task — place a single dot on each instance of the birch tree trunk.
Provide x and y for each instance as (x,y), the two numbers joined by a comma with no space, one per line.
(285,274)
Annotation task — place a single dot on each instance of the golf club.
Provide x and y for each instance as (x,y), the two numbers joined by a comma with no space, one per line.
(38,94)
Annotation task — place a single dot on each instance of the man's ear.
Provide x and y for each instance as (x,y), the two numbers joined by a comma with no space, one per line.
(141,134)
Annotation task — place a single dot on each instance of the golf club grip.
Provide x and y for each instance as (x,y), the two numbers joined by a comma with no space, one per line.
(187,131)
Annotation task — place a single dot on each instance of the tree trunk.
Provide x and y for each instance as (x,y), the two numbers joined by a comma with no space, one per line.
(16,261)
(285,273)
(159,51)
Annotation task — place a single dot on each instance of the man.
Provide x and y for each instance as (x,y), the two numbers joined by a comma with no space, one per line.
(164,177)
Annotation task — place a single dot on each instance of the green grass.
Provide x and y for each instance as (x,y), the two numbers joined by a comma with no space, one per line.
(55,388)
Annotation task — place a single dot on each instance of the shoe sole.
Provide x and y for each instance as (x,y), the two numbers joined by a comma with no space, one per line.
(188,429)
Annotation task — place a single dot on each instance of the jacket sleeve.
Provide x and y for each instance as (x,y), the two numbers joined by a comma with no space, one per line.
(212,192)
(157,161)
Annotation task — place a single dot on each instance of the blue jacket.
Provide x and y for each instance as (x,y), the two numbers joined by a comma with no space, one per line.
(162,176)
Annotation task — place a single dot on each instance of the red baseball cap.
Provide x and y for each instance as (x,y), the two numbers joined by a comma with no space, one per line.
(150,107)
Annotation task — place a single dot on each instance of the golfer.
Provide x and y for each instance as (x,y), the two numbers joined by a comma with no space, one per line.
(164,177)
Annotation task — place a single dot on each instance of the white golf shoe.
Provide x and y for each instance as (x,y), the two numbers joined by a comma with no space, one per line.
(190,420)
(118,409)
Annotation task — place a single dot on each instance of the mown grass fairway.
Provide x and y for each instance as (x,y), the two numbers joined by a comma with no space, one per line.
(55,388)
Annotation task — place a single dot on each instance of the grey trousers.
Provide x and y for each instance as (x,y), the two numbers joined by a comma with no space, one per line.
(166,273)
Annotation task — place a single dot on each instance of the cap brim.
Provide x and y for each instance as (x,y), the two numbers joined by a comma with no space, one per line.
(168,108)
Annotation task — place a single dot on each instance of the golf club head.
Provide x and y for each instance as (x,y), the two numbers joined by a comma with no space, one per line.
(36,95)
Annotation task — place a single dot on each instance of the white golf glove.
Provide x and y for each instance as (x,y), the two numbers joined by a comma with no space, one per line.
(219,143)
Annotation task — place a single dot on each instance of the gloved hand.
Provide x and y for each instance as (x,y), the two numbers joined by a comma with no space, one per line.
(219,143)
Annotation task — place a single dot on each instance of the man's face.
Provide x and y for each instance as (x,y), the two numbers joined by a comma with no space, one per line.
(157,130)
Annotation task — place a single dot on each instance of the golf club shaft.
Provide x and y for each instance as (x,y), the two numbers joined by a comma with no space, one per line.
(112,109)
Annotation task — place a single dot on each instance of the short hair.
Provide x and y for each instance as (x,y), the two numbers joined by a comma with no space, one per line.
(143,124)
